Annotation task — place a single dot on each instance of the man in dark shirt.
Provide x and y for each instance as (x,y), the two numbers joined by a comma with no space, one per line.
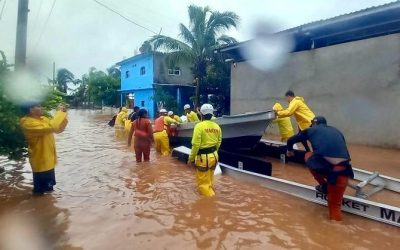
(329,162)
(135,114)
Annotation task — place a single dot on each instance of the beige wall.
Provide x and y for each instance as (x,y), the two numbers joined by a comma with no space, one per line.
(355,85)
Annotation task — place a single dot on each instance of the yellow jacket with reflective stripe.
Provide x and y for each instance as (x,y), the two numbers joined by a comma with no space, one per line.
(301,112)
(192,117)
(206,134)
(39,136)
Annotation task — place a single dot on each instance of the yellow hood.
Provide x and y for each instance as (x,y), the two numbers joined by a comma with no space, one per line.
(277,107)
(124,109)
(300,98)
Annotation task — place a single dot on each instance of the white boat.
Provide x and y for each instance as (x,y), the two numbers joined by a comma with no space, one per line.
(242,131)
(249,171)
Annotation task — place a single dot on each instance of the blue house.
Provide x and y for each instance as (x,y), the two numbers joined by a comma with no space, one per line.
(143,73)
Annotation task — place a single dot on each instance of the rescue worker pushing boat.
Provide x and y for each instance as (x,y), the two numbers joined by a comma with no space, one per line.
(175,117)
(161,141)
(206,140)
(329,162)
(301,112)
(191,116)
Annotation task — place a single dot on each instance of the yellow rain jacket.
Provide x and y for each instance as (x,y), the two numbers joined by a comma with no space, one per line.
(301,112)
(192,117)
(120,125)
(39,136)
(128,125)
(177,118)
(121,117)
(168,121)
(284,124)
(206,135)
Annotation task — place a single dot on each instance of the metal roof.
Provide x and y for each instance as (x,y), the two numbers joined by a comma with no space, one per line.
(366,23)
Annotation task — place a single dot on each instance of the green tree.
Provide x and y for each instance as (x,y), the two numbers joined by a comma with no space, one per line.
(165,100)
(64,76)
(12,141)
(199,40)
(102,88)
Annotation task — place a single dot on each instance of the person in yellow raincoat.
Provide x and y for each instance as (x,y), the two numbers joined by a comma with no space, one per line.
(38,131)
(161,140)
(301,112)
(206,140)
(175,117)
(120,122)
(284,124)
(191,116)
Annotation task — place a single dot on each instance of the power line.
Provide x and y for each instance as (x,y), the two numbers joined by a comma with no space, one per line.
(127,19)
(35,23)
(45,24)
(2,9)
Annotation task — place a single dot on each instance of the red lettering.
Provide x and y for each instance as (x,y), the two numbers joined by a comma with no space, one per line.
(211,130)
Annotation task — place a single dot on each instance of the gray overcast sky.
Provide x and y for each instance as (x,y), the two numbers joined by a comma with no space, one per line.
(81,33)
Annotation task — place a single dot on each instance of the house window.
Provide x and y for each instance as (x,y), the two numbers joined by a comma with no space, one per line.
(142,103)
(127,74)
(142,71)
(174,72)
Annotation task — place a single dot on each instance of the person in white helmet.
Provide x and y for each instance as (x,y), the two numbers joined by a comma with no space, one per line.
(175,117)
(191,116)
(206,140)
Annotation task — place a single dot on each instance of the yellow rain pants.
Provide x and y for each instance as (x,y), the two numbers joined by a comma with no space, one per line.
(128,125)
(205,166)
(161,142)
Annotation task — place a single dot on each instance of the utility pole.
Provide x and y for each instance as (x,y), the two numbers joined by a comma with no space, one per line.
(22,27)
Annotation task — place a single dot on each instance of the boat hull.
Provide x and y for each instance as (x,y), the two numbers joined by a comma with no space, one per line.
(238,132)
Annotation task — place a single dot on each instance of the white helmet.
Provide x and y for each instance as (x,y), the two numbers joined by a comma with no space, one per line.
(170,113)
(163,111)
(207,109)
(187,106)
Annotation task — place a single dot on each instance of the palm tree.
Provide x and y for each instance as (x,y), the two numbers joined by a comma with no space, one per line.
(64,76)
(199,40)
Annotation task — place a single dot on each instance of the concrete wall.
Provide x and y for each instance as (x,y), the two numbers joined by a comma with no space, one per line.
(161,72)
(355,85)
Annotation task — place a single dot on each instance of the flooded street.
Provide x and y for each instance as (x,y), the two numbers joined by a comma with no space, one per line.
(105,200)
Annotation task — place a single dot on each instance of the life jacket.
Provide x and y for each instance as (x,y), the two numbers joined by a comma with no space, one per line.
(159,125)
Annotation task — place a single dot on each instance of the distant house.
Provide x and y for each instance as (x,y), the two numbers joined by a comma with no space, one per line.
(143,73)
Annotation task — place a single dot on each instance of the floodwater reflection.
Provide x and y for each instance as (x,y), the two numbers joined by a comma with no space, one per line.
(105,200)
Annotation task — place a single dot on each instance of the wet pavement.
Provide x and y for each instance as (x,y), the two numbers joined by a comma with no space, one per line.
(105,200)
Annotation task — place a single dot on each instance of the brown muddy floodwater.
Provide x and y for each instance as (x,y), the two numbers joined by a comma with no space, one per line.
(105,200)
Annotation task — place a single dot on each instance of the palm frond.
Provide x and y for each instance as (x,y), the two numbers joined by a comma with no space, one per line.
(221,21)
(167,43)
(179,57)
(187,36)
